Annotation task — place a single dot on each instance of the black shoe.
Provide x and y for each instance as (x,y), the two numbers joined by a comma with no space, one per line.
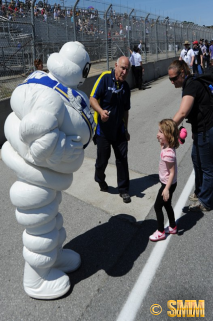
(103,186)
(126,197)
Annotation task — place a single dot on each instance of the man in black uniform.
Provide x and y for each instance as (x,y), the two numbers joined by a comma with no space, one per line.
(110,98)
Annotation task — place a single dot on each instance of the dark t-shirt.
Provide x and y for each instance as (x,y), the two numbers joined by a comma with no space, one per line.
(114,97)
(201,114)
(198,53)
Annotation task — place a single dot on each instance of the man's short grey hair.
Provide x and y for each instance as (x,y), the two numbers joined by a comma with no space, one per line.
(119,59)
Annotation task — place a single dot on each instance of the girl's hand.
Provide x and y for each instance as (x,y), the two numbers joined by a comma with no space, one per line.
(165,194)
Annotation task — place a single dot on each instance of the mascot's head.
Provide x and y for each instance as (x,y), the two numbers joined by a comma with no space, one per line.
(71,65)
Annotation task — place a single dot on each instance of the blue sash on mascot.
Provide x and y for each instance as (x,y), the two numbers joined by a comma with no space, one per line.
(40,77)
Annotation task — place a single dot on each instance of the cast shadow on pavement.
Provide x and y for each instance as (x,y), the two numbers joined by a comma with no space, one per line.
(113,247)
(138,185)
(188,221)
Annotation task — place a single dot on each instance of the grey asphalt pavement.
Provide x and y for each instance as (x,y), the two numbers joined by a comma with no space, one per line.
(112,237)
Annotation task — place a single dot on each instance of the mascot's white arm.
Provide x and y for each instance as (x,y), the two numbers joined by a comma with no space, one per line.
(36,132)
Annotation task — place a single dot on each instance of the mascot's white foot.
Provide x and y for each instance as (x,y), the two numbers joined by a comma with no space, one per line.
(44,284)
(67,260)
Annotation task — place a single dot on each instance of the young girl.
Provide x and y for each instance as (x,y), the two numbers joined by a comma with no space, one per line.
(168,137)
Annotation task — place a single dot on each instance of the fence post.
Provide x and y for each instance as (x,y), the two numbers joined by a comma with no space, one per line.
(33,30)
(156,36)
(181,33)
(106,31)
(23,61)
(128,27)
(48,34)
(145,36)
(74,27)
(175,37)
(3,57)
(187,32)
(166,20)
(66,24)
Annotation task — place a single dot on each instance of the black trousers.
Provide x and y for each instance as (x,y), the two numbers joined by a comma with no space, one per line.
(160,203)
(137,71)
(120,148)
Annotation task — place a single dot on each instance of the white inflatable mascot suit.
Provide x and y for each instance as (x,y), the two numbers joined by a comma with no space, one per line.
(47,132)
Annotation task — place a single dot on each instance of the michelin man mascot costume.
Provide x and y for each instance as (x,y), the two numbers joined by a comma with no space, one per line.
(46,133)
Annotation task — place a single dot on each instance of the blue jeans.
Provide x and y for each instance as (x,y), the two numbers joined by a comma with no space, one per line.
(202,158)
(197,69)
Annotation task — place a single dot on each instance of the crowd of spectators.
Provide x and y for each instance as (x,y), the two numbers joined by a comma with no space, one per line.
(89,21)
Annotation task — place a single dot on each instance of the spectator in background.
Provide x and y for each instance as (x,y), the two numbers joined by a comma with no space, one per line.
(201,44)
(187,54)
(55,16)
(21,11)
(140,47)
(121,29)
(137,68)
(36,11)
(211,49)
(45,17)
(58,13)
(198,59)
(38,64)
(206,56)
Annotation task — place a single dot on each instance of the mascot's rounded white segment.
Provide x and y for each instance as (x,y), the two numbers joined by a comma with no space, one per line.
(47,132)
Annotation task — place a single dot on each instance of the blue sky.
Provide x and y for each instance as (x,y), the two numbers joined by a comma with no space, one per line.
(199,12)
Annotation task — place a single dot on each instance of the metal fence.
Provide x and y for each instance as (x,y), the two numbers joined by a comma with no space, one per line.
(37,32)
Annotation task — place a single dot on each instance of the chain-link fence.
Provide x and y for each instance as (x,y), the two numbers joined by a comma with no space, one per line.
(37,32)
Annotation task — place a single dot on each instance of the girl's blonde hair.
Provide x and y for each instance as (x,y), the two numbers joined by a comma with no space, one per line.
(170,131)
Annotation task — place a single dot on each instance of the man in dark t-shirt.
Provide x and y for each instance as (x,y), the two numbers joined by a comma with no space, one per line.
(206,55)
(201,114)
(198,60)
(110,99)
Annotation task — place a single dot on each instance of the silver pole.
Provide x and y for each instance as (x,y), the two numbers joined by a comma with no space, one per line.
(156,35)
(106,30)
(74,28)
(175,37)
(128,27)
(145,36)
(33,31)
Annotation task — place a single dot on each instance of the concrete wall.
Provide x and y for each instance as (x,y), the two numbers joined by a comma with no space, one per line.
(152,71)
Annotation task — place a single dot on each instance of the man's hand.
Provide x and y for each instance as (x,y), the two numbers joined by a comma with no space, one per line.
(104,115)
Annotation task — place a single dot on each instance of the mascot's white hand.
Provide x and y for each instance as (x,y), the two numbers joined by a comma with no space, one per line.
(73,149)
(55,147)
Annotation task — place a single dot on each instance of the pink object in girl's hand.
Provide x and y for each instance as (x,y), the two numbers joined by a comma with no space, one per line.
(182,135)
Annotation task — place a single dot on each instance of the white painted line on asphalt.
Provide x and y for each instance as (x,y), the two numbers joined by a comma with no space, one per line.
(136,296)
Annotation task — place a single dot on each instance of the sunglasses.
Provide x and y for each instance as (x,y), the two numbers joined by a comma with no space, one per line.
(174,78)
